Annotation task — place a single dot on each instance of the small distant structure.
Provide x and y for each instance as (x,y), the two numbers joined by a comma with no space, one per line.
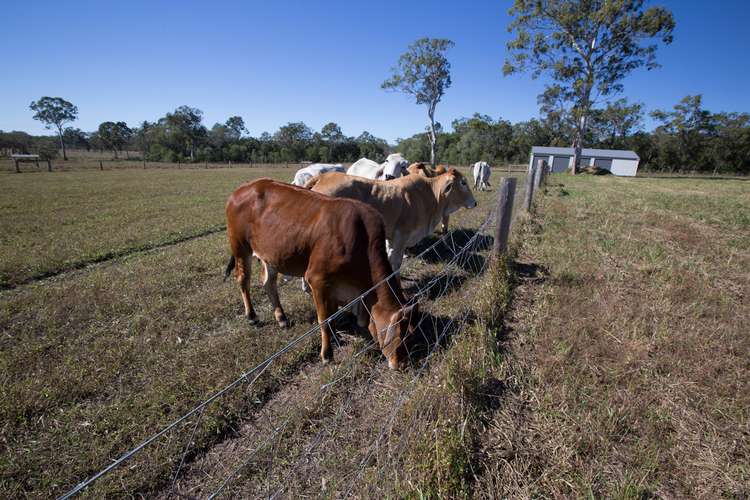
(18,158)
(618,162)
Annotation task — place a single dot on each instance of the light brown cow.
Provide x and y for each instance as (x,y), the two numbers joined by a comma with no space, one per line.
(411,206)
(425,170)
(338,245)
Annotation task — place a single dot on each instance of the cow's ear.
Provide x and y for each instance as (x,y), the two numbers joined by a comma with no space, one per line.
(379,174)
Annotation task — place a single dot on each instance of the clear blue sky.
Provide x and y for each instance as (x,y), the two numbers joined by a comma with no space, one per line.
(272,62)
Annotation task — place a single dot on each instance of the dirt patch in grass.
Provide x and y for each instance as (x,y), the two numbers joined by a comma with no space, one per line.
(628,363)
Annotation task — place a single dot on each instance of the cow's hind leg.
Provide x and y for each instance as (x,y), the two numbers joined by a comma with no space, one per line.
(243,278)
(272,290)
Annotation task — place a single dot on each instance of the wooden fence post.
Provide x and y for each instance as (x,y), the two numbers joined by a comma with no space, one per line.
(529,194)
(144,164)
(18,170)
(505,194)
(49,165)
(37,162)
(539,174)
(101,166)
(206,163)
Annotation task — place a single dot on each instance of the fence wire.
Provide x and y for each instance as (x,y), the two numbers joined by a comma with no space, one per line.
(463,260)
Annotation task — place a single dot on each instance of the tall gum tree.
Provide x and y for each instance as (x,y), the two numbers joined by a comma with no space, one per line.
(587,47)
(424,72)
(55,112)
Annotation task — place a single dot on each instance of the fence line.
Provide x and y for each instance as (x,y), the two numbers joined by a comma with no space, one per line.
(243,377)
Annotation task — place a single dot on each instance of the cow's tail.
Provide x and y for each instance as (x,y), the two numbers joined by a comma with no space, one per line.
(312,182)
(230,267)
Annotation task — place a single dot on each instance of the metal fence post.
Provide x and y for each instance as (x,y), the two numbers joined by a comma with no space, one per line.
(505,194)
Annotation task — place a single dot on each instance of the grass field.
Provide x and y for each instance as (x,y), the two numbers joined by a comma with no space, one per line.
(628,349)
(98,358)
(52,222)
(608,356)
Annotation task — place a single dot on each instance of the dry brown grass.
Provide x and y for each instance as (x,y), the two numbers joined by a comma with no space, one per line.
(628,362)
(95,360)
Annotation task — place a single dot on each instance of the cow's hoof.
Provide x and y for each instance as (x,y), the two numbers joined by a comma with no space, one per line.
(284,323)
(326,358)
(253,320)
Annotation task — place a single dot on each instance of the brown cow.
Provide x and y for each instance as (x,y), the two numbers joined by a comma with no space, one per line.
(411,206)
(338,245)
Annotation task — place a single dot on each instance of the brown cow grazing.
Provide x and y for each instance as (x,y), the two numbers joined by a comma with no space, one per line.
(338,245)
(412,206)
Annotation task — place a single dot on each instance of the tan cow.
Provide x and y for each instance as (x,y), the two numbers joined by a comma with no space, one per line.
(412,206)
(425,170)
(338,245)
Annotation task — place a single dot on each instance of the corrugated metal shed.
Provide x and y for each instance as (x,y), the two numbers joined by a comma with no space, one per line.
(619,162)
(591,153)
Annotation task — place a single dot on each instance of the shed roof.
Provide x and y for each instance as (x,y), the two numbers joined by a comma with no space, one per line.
(596,153)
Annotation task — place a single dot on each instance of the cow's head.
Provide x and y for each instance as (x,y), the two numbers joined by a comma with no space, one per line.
(393,167)
(395,333)
(417,168)
(456,192)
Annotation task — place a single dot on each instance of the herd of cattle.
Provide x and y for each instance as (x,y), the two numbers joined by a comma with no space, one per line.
(345,232)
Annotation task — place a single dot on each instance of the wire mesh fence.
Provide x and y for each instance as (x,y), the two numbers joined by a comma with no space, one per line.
(285,442)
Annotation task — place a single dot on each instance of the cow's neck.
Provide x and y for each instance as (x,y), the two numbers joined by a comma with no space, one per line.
(388,294)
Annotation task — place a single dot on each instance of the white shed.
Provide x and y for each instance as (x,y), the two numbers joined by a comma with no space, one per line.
(618,162)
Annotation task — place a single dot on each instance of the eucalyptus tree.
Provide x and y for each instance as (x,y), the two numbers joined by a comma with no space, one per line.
(55,112)
(587,47)
(423,71)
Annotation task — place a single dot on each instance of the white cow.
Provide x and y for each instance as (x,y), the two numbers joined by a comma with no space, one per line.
(481,176)
(393,167)
(306,173)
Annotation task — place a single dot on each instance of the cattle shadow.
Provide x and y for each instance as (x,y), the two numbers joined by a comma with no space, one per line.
(453,243)
(432,333)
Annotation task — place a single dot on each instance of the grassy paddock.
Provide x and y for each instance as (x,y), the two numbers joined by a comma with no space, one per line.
(94,361)
(627,373)
(54,222)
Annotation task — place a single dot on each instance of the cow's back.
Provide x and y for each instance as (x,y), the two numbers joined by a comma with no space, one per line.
(287,226)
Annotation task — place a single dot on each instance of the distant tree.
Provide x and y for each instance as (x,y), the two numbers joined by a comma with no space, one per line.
(331,133)
(423,71)
(185,124)
(369,146)
(115,135)
(586,46)
(76,138)
(691,126)
(55,112)
(731,146)
(617,121)
(293,139)
(236,125)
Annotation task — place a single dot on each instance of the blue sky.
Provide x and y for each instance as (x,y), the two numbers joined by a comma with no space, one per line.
(318,61)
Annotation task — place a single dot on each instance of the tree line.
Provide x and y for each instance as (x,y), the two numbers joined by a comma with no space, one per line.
(688,138)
